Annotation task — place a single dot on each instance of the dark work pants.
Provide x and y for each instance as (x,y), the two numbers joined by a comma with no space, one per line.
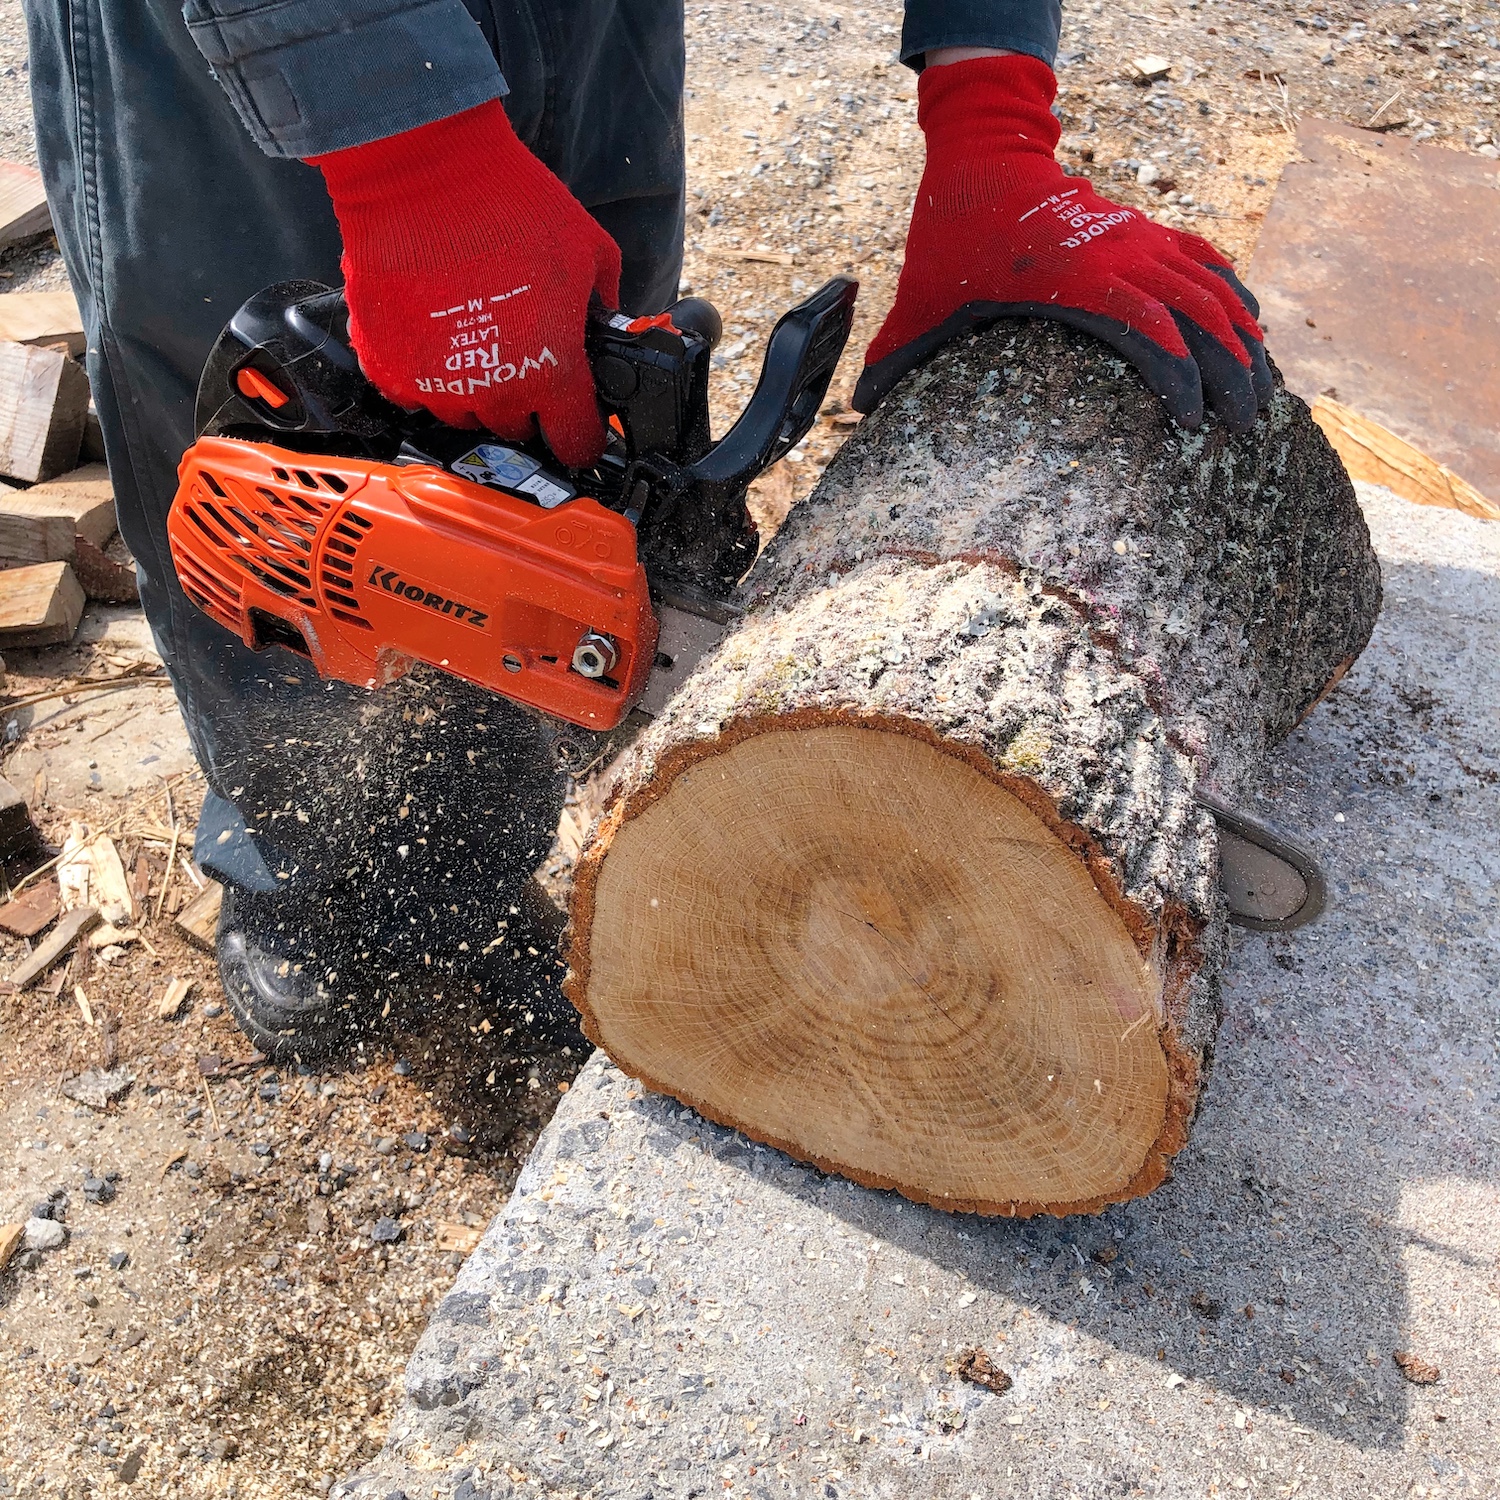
(404,808)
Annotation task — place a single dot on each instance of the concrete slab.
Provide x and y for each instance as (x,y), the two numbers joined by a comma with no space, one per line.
(666,1310)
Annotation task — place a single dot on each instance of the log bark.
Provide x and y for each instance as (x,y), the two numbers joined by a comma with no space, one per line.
(910,879)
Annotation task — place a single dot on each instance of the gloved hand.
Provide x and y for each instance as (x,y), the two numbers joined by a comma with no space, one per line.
(468,268)
(999,229)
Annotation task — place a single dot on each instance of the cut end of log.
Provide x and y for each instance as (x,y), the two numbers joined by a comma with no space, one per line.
(864,949)
(910,878)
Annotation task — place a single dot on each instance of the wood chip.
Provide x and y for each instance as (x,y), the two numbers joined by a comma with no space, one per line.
(32,910)
(140,880)
(74,872)
(107,936)
(760,257)
(975,1366)
(198,921)
(69,929)
(109,884)
(10,1236)
(171,1162)
(171,1002)
(458,1237)
(1416,1369)
(80,995)
(1149,68)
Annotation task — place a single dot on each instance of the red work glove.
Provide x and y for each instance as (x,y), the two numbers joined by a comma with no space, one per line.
(1000,230)
(468,269)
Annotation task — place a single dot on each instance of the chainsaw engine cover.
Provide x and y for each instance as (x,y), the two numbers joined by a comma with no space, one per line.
(335,558)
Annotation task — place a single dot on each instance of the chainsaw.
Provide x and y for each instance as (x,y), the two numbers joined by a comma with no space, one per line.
(314,514)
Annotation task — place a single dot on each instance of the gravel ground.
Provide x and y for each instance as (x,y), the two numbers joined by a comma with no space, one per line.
(249,1252)
(252,1379)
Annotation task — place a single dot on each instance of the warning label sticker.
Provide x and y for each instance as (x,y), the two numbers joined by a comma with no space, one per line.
(519,473)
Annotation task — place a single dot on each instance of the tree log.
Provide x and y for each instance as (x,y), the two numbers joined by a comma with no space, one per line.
(910,880)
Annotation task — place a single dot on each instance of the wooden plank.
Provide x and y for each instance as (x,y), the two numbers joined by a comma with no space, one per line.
(44,403)
(44,523)
(1372,452)
(40,605)
(198,921)
(23,204)
(67,932)
(42,318)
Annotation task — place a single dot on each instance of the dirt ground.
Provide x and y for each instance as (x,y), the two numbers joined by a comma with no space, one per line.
(231,1317)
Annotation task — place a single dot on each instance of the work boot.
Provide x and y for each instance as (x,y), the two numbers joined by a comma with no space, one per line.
(287,1000)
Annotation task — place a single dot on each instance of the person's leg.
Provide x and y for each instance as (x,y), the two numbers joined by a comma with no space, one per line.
(401,823)
(596,92)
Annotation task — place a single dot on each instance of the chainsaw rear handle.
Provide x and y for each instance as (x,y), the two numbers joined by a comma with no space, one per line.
(284,365)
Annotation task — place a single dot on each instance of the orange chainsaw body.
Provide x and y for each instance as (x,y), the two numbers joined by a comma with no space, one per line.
(367,567)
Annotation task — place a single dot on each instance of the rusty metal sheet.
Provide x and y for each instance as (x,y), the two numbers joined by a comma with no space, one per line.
(1378,273)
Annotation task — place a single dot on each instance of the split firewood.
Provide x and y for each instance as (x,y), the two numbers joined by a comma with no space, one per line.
(103,577)
(46,318)
(911,879)
(40,605)
(17,834)
(23,203)
(44,402)
(47,522)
